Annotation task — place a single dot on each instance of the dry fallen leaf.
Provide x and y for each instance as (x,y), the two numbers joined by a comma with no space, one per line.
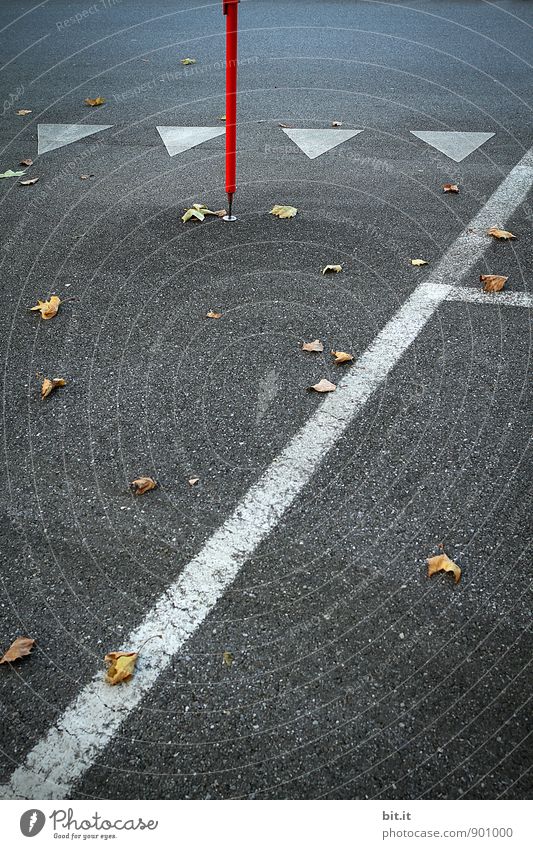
(213,314)
(50,384)
(142,485)
(324,386)
(336,123)
(284,126)
(442,563)
(48,309)
(26,162)
(10,173)
(500,234)
(419,262)
(341,357)
(221,117)
(313,346)
(86,176)
(29,182)
(450,187)
(199,211)
(18,648)
(493,282)
(188,61)
(227,658)
(94,101)
(283,211)
(23,111)
(122,666)
(331,268)
(193,481)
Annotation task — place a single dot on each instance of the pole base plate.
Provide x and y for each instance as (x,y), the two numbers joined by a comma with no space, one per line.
(229,218)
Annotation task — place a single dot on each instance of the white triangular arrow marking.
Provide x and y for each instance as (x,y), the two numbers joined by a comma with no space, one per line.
(178,139)
(316,142)
(52,136)
(456,146)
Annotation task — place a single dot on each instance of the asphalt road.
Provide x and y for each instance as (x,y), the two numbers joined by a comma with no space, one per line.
(354,676)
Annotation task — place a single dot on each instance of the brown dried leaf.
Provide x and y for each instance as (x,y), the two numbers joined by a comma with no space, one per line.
(24,112)
(313,346)
(324,386)
(26,162)
(493,282)
(122,666)
(213,314)
(48,309)
(94,101)
(331,268)
(450,187)
(500,234)
(50,384)
(29,182)
(193,481)
(442,563)
(283,211)
(86,176)
(336,123)
(142,485)
(20,647)
(341,357)
(227,658)
(419,262)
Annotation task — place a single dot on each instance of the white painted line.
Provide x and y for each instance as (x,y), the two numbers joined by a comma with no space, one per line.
(498,299)
(72,745)
(52,136)
(454,145)
(316,142)
(179,139)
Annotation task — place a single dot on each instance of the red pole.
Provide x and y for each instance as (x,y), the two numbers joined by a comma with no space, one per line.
(230,10)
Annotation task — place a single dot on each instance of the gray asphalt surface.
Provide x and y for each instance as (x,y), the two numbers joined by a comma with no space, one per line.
(354,676)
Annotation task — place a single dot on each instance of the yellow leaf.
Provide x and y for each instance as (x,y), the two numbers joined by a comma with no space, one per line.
(122,666)
(94,101)
(283,211)
(313,346)
(20,647)
(419,262)
(341,357)
(442,563)
(450,187)
(493,282)
(142,485)
(48,309)
(188,61)
(49,385)
(500,234)
(213,314)
(331,268)
(24,111)
(227,658)
(324,386)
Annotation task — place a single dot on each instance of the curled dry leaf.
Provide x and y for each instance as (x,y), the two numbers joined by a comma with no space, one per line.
(323,386)
(26,162)
(86,176)
(341,357)
(121,666)
(500,234)
(419,262)
(188,61)
(18,648)
(10,173)
(336,123)
(48,309)
(199,211)
(493,282)
(24,112)
(30,182)
(49,384)
(227,658)
(94,101)
(328,269)
(450,187)
(442,563)
(221,117)
(142,485)
(313,346)
(193,481)
(283,211)
(213,314)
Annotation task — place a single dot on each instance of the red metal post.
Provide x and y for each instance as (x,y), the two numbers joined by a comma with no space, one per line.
(230,10)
